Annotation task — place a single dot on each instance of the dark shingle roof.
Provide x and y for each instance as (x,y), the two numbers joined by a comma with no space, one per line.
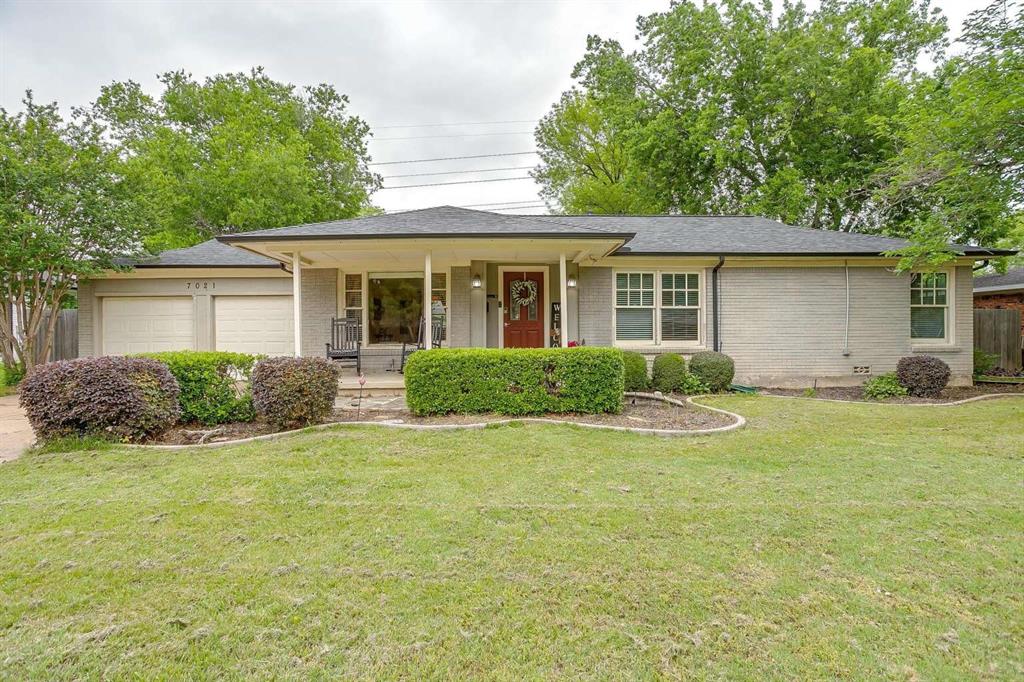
(1014,277)
(736,235)
(643,235)
(441,221)
(210,253)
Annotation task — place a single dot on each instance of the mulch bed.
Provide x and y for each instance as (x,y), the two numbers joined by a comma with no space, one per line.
(856,393)
(636,413)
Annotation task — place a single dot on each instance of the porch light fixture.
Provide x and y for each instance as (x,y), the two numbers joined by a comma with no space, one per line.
(570,282)
(477,282)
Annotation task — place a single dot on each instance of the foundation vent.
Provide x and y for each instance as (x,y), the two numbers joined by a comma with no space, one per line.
(862,370)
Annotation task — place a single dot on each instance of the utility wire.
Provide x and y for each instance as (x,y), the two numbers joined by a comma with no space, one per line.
(450,158)
(437,137)
(460,182)
(448,125)
(515,208)
(499,203)
(477,170)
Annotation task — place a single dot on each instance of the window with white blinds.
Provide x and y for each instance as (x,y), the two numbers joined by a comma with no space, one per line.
(354,296)
(929,303)
(657,307)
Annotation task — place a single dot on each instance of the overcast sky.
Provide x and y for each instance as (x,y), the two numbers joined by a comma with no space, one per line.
(400,63)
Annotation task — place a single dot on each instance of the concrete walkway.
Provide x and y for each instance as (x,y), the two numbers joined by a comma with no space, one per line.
(15,432)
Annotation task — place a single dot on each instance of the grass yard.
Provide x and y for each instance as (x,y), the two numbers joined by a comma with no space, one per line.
(822,541)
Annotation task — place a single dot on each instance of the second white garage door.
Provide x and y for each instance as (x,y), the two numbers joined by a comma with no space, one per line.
(145,325)
(254,324)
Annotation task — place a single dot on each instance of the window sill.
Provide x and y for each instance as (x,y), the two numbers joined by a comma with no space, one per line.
(935,348)
(666,347)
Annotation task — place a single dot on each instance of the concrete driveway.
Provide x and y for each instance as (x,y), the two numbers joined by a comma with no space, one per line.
(15,432)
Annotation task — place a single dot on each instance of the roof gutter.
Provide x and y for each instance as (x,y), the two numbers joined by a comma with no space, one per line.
(714,303)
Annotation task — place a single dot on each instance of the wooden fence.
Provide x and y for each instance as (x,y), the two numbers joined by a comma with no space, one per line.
(998,331)
(65,336)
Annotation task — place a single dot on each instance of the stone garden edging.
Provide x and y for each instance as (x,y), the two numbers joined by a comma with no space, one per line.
(739,422)
(976,398)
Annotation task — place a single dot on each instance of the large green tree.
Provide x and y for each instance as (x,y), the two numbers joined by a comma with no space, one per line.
(65,213)
(236,152)
(731,108)
(959,171)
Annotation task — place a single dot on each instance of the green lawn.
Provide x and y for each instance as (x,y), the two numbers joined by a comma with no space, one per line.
(823,540)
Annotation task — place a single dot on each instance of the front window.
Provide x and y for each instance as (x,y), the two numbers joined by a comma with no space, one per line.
(929,305)
(396,306)
(657,307)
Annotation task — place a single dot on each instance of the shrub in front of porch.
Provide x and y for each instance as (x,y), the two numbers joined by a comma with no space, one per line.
(214,384)
(515,381)
(294,392)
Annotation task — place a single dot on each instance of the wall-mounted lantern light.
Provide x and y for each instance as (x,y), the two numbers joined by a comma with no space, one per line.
(570,282)
(477,282)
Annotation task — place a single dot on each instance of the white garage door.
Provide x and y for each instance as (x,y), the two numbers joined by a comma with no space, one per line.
(147,325)
(254,324)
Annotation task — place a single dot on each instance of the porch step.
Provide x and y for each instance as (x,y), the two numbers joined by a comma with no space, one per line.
(390,383)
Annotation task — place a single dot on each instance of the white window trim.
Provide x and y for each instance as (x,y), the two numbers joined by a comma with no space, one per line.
(950,338)
(657,343)
(364,296)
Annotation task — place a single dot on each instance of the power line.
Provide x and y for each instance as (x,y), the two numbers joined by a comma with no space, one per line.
(450,158)
(514,208)
(449,125)
(437,137)
(499,203)
(461,182)
(477,170)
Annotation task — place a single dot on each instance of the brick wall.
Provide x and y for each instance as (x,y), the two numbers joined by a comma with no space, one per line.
(459,312)
(1010,301)
(319,305)
(595,306)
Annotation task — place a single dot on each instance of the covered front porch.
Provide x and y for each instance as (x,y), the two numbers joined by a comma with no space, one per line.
(497,292)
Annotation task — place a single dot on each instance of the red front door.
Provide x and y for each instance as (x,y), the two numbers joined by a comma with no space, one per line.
(524,309)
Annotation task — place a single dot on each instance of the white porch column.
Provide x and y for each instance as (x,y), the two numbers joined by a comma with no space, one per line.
(428,333)
(297,300)
(563,320)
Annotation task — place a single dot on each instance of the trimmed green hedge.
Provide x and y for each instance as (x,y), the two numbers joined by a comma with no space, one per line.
(514,381)
(214,384)
(716,370)
(636,377)
(668,372)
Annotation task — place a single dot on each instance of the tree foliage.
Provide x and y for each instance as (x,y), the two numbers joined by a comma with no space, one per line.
(64,213)
(819,118)
(959,172)
(236,152)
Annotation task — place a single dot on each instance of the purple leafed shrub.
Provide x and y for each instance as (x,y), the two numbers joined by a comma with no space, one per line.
(923,376)
(127,399)
(294,392)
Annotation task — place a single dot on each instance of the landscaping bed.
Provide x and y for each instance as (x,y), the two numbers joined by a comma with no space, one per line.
(637,413)
(950,394)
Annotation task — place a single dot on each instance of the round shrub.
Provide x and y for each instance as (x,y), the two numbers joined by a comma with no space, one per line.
(294,392)
(128,399)
(714,369)
(668,373)
(923,376)
(214,384)
(636,371)
(884,386)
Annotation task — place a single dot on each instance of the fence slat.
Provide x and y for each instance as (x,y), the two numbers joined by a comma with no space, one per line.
(65,336)
(998,331)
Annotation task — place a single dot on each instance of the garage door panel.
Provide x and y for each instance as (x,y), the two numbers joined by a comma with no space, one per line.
(147,324)
(254,324)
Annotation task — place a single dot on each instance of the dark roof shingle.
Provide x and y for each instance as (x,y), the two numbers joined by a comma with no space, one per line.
(210,253)
(1014,277)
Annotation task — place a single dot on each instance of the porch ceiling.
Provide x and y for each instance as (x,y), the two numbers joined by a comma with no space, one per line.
(399,254)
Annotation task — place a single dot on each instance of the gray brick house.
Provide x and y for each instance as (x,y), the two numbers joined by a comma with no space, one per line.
(791,305)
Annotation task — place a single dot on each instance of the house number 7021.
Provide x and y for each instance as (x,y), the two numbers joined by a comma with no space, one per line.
(200,285)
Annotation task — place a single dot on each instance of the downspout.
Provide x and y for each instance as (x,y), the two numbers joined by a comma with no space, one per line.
(846,334)
(714,302)
(984,264)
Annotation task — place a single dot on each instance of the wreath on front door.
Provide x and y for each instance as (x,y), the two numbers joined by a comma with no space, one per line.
(523,292)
